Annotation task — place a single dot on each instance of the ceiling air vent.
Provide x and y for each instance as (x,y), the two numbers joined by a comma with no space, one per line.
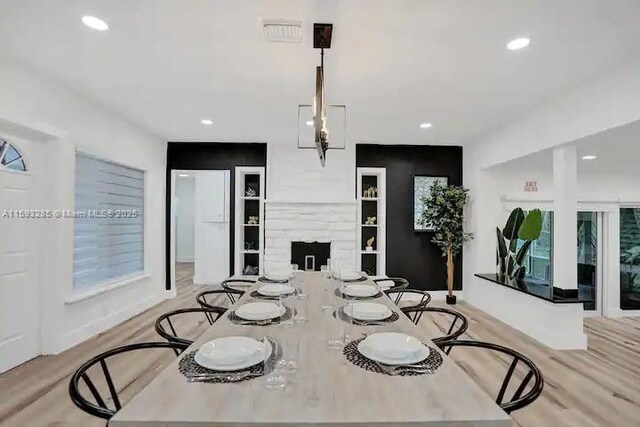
(281,30)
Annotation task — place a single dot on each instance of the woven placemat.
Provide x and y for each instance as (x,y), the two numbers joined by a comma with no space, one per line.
(340,314)
(288,315)
(188,366)
(265,280)
(257,295)
(339,294)
(432,362)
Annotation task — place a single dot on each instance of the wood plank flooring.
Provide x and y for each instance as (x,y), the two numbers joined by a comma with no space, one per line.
(598,387)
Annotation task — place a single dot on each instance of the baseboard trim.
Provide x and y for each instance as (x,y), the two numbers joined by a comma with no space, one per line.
(83,333)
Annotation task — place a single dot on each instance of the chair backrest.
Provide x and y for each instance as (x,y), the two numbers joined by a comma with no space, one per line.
(210,313)
(207,299)
(395,285)
(235,287)
(458,319)
(418,299)
(100,408)
(518,400)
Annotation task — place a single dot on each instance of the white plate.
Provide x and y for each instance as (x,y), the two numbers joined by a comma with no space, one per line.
(275,289)
(349,275)
(232,353)
(393,348)
(359,290)
(368,311)
(278,276)
(259,311)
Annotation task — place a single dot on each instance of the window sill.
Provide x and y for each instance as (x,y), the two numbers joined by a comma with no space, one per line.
(107,287)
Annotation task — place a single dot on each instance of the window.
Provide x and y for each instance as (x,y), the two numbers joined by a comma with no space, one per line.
(630,258)
(109,226)
(10,157)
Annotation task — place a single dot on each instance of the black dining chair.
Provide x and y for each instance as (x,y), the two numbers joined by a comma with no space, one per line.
(518,400)
(81,375)
(211,314)
(233,286)
(209,299)
(415,297)
(393,285)
(415,314)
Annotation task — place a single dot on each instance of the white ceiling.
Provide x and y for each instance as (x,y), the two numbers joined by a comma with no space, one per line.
(167,64)
(617,152)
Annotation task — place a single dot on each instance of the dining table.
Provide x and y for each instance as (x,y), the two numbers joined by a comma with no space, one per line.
(326,390)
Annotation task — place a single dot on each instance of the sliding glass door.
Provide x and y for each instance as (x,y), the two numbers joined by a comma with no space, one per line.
(630,258)
(589,256)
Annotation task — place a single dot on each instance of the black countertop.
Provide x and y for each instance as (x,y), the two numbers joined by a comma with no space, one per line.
(538,289)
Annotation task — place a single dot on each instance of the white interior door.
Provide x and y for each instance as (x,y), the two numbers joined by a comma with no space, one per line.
(19,277)
(212,226)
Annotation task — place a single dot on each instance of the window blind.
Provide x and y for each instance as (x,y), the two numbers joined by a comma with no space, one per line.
(109,222)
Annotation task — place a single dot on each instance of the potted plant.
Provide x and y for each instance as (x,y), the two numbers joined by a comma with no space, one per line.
(519,227)
(443,212)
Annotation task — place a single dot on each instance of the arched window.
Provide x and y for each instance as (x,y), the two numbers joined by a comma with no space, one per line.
(10,157)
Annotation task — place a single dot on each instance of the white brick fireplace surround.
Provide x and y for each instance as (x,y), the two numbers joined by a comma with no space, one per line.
(287,222)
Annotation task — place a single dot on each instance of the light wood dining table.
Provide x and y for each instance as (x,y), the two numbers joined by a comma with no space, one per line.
(327,389)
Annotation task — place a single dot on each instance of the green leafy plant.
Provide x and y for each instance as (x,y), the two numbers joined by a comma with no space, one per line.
(518,227)
(444,212)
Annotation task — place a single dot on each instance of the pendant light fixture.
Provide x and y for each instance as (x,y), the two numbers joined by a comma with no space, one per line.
(321,40)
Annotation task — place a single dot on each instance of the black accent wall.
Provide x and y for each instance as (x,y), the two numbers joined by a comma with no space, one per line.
(210,156)
(411,254)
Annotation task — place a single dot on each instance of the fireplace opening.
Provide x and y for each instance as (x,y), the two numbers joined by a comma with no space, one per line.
(310,256)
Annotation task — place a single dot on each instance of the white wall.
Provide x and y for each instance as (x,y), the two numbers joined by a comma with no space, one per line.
(27,97)
(185,218)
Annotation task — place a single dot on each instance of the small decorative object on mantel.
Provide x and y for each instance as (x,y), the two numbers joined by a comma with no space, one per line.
(250,270)
(371,220)
(518,227)
(253,220)
(369,247)
(444,211)
(250,192)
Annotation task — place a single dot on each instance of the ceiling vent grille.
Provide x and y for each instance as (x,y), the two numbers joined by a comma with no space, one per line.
(282,31)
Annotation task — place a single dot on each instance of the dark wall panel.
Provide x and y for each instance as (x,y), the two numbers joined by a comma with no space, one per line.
(411,254)
(210,156)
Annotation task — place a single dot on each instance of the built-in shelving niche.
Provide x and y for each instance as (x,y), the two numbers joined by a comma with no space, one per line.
(249,233)
(371,203)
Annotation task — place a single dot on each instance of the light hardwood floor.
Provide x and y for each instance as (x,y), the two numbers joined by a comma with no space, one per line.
(598,387)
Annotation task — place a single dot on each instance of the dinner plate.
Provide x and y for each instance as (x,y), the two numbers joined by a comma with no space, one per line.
(278,276)
(393,348)
(367,311)
(276,289)
(259,311)
(361,291)
(349,275)
(232,353)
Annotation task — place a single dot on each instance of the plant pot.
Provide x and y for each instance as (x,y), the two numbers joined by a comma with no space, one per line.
(369,248)
(451,299)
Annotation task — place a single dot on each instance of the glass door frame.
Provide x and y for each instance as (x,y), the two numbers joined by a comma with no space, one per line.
(601,262)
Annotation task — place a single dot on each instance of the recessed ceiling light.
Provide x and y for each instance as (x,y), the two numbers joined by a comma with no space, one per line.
(518,43)
(309,123)
(206,122)
(184,175)
(589,157)
(425,125)
(95,23)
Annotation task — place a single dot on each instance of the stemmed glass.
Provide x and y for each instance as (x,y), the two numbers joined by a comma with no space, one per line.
(273,367)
